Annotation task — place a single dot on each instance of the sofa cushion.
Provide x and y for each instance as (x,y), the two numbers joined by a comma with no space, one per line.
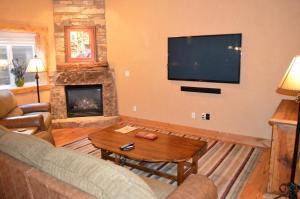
(46,116)
(26,148)
(15,112)
(7,102)
(98,177)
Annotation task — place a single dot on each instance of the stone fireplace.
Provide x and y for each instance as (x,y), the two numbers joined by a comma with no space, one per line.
(99,109)
(100,79)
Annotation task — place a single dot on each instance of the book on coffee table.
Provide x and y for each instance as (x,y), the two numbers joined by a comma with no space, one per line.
(146,135)
(126,129)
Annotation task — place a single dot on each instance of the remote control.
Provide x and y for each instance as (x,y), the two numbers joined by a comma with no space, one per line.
(127,145)
(128,148)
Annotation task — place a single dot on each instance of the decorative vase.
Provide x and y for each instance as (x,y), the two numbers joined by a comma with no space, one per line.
(19,81)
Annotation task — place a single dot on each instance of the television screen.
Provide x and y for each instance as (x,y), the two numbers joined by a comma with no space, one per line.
(209,58)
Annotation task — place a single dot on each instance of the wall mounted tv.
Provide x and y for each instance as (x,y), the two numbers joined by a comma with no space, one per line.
(208,58)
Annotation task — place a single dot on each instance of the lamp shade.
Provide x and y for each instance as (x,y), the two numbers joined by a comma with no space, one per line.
(35,65)
(291,79)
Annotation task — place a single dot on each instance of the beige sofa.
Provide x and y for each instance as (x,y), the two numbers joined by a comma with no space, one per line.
(33,168)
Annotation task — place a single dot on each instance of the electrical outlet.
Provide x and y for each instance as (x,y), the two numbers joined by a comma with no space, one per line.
(134,108)
(193,115)
(205,116)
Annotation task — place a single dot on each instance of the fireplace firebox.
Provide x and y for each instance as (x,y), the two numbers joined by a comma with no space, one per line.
(84,100)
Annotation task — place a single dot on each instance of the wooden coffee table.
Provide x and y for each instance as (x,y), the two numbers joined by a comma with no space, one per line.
(166,148)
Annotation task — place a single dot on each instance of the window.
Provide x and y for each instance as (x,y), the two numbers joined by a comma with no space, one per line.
(15,46)
(4,69)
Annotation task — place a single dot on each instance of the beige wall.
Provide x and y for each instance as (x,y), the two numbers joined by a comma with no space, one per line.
(27,98)
(137,34)
(35,13)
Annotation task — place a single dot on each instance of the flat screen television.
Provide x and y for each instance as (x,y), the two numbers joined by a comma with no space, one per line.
(208,58)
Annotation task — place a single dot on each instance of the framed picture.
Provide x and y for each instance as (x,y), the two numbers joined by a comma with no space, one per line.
(80,43)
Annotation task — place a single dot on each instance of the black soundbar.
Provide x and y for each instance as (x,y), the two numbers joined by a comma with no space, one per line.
(201,90)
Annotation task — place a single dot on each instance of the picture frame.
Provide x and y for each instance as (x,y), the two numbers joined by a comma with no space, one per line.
(80,43)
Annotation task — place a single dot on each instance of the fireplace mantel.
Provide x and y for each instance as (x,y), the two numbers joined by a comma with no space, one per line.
(95,66)
(83,77)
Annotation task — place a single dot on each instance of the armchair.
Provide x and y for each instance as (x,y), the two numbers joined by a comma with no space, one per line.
(28,115)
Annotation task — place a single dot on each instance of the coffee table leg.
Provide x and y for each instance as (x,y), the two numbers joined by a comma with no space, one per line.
(195,164)
(103,154)
(180,172)
(117,159)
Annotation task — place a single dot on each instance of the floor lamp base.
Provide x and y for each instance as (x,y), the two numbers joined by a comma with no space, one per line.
(289,190)
(293,190)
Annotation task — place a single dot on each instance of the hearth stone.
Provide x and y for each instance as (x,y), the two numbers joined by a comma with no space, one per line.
(85,122)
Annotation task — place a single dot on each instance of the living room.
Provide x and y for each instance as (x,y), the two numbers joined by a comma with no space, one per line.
(130,61)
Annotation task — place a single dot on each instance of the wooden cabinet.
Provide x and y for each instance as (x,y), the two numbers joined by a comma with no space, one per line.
(283,123)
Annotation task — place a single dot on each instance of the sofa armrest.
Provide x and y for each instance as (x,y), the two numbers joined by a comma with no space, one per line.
(195,187)
(24,121)
(35,107)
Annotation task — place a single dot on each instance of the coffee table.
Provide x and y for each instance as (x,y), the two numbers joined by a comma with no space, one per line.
(166,148)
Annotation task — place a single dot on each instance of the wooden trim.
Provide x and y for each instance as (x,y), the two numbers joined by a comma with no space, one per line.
(80,66)
(287,122)
(286,113)
(273,157)
(226,137)
(41,37)
(29,89)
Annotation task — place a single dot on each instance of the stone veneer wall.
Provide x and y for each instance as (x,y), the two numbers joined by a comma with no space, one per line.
(81,13)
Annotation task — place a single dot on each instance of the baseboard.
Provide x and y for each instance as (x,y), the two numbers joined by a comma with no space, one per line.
(226,137)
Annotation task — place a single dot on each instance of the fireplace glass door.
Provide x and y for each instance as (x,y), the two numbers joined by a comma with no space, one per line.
(84,100)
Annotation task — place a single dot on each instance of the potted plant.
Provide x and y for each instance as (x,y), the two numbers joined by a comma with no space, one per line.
(19,69)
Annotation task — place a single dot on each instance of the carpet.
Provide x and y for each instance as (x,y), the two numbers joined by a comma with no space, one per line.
(227,164)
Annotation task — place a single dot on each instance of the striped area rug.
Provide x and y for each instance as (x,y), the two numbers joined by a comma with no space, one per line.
(227,164)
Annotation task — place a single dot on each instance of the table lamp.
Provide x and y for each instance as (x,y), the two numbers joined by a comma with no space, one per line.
(35,66)
(291,81)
